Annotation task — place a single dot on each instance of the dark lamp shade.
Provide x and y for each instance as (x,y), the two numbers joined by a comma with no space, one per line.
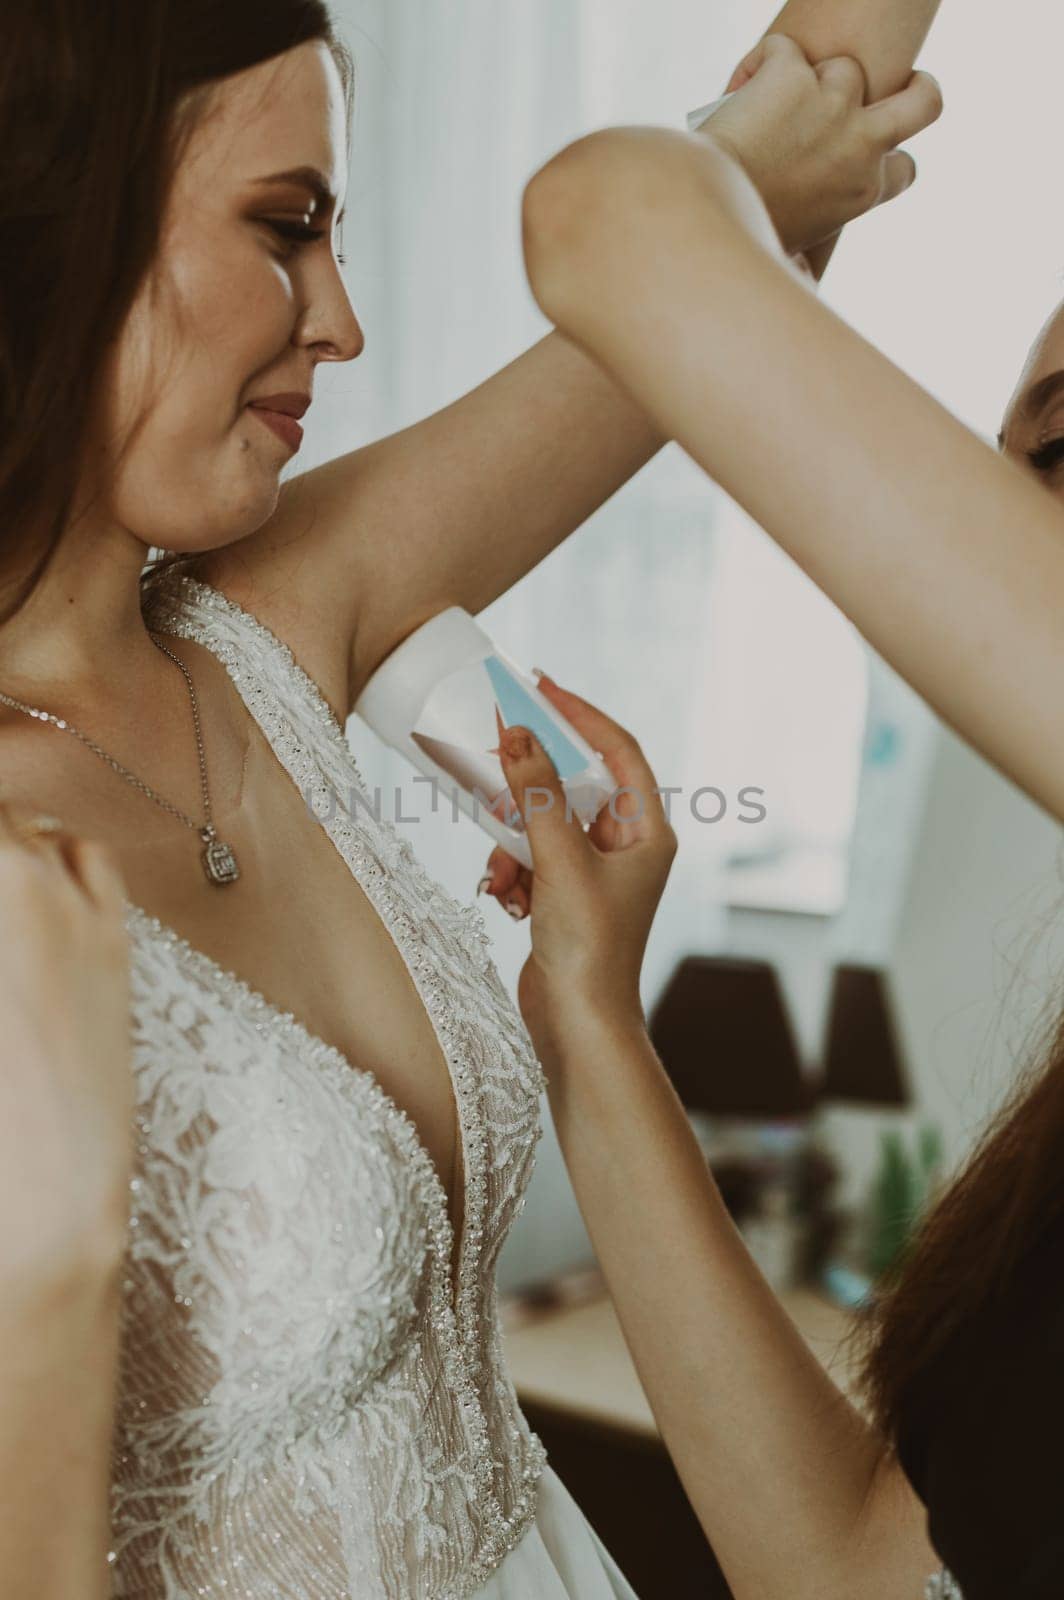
(863,1059)
(723,1032)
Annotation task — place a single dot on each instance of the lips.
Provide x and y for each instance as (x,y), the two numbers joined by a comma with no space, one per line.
(279,413)
(286,428)
(293,404)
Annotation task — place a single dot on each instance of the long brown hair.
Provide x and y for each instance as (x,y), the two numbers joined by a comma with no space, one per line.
(97,100)
(963,1256)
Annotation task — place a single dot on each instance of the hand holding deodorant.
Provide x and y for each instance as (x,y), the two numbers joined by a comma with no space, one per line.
(443,699)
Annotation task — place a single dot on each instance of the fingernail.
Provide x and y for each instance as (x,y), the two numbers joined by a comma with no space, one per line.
(538,673)
(517,743)
(515,909)
(485,883)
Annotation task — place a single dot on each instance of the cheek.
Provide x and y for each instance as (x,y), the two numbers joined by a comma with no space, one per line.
(236,307)
(193,344)
(196,476)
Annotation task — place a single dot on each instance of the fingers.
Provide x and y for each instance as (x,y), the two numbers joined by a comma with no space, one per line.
(559,844)
(501,873)
(747,67)
(782,48)
(902,115)
(899,174)
(776,47)
(507,881)
(846,76)
(743,72)
(517,901)
(622,755)
(555,833)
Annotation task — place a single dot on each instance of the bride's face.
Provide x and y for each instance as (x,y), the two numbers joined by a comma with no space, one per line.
(245,298)
(1032,431)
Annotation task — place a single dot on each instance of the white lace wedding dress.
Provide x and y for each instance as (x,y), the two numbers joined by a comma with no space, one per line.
(309,1408)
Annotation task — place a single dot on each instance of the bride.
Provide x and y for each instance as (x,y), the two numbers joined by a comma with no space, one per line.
(248,1338)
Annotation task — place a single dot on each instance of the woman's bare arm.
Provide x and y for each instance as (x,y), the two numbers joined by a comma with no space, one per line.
(58,1361)
(788,1480)
(885,36)
(654,252)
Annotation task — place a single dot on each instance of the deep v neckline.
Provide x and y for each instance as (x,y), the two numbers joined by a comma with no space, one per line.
(266,1013)
(452,1244)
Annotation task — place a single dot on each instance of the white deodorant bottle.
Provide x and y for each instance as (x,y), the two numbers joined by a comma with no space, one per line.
(443,698)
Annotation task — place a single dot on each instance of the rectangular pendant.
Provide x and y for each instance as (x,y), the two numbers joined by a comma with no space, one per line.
(219,862)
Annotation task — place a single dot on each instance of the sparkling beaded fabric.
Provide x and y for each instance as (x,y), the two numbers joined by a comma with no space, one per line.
(943,1586)
(309,1408)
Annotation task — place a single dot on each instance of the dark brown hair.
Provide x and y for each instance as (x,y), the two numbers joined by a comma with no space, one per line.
(97,99)
(963,1256)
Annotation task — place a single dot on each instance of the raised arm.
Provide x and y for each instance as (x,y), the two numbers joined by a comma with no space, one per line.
(884,36)
(655,253)
(457,508)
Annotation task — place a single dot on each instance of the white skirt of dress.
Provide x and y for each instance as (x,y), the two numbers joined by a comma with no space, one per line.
(560,1557)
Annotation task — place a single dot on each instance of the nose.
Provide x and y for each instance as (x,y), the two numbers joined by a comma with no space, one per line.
(330,326)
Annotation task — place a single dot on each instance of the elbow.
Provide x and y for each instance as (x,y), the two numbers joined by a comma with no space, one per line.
(602,206)
(586,208)
(559,223)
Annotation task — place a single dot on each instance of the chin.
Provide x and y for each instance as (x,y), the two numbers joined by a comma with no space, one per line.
(239,514)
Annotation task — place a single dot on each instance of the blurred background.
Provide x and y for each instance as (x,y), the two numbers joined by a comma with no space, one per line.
(844,988)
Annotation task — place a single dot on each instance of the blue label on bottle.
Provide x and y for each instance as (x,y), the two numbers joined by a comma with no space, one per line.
(518,707)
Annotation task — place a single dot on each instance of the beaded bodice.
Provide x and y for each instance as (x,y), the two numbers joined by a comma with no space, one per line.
(312,1405)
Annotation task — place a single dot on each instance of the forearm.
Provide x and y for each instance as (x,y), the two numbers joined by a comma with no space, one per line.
(58,1361)
(949,559)
(885,36)
(779,1467)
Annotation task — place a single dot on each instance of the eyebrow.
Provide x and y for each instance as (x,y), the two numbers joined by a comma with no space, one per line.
(1037,398)
(309,178)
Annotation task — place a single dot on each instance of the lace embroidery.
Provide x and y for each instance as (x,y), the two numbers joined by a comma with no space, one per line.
(309,1407)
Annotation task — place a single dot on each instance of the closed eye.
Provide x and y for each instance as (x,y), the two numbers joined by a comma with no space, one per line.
(299,233)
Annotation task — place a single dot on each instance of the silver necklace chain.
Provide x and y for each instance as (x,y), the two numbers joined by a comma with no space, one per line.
(219,861)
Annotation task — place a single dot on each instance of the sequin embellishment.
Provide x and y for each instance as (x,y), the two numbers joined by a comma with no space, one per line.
(942,1586)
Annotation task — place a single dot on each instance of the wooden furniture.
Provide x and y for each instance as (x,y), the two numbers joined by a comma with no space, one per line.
(580,1391)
